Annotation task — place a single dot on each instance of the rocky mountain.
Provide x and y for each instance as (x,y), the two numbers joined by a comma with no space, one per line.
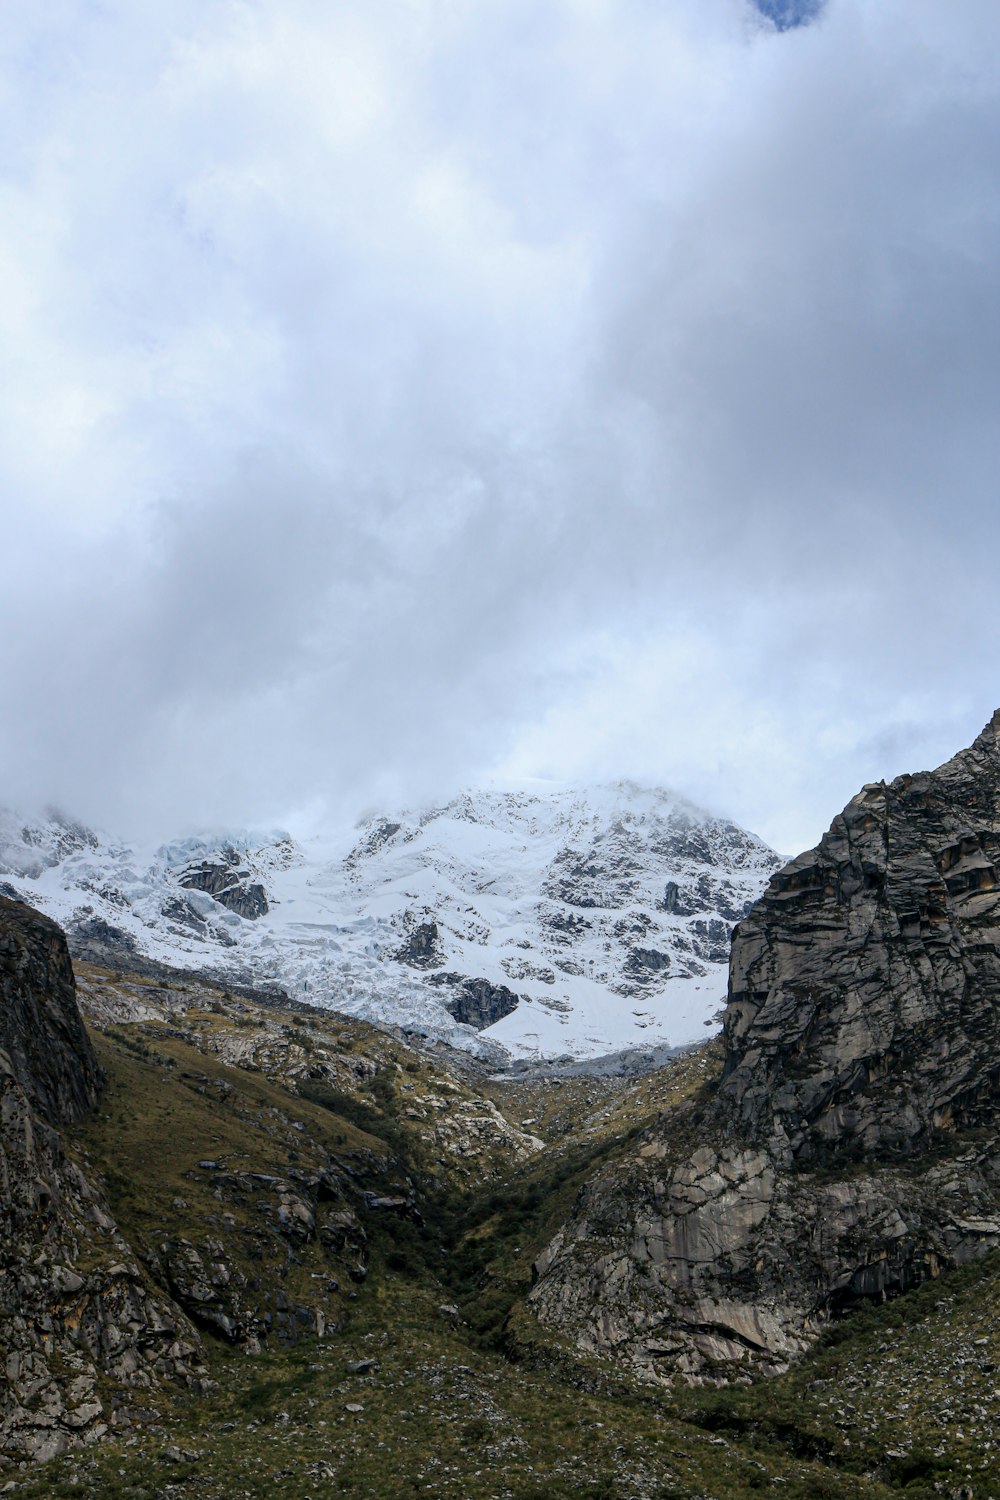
(537,923)
(232,1181)
(250,1246)
(851,1149)
(74,1304)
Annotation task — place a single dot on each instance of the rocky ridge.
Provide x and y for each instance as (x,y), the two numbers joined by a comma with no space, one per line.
(239,1177)
(540,923)
(74,1303)
(849,1150)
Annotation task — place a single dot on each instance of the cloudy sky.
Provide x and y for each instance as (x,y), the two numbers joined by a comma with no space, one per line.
(401,392)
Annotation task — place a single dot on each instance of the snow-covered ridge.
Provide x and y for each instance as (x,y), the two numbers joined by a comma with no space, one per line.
(597,918)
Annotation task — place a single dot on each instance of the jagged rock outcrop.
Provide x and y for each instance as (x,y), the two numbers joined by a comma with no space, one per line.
(41,1029)
(230,882)
(864,1004)
(73,1300)
(476,1002)
(851,1149)
(422,948)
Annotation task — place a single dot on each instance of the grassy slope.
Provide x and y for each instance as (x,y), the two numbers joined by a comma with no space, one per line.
(911,1388)
(470,1404)
(437,1418)
(162,1112)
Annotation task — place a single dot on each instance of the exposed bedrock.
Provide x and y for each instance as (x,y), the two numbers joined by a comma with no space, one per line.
(229,882)
(476,1002)
(422,948)
(864,995)
(41,1029)
(73,1300)
(851,1149)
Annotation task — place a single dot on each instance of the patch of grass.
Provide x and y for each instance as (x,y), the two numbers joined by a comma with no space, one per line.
(169,1108)
(908,1390)
(485,1405)
(438,1419)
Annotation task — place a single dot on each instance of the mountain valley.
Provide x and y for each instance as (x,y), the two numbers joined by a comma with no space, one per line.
(257,1246)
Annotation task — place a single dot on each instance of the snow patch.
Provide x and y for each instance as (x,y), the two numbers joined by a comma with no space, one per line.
(608,911)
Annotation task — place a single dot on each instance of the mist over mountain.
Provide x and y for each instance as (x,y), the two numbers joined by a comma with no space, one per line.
(569,390)
(545,922)
(246,1237)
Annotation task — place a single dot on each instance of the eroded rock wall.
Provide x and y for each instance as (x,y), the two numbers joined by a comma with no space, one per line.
(851,1149)
(41,1029)
(864,998)
(74,1305)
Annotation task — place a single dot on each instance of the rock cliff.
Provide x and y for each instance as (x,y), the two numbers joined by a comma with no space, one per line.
(850,1149)
(864,1000)
(230,882)
(74,1304)
(41,1030)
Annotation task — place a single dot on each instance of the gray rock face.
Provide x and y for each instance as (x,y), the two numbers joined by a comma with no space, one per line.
(864,1001)
(73,1300)
(230,883)
(41,1029)
(97,941)
(851,1149)
(477,1002)
(422,948)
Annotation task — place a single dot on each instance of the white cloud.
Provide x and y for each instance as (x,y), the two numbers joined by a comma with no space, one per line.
(391,392)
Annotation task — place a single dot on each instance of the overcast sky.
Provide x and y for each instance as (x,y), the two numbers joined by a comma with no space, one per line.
(401,392)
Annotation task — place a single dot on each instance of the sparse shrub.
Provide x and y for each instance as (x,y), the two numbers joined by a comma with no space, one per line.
(476,1431)
(916,1468)
(604,1487)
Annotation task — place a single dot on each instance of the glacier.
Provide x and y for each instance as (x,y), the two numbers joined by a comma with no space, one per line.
(597,917)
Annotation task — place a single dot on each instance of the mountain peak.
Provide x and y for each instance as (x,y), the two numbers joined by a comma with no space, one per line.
(580,920)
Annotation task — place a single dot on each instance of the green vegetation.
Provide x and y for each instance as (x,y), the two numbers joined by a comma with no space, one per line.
(910,1388)
(167,1109)
(440,1382)
(437,1418)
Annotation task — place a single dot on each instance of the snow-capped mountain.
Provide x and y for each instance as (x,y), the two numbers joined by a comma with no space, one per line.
(549,921)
